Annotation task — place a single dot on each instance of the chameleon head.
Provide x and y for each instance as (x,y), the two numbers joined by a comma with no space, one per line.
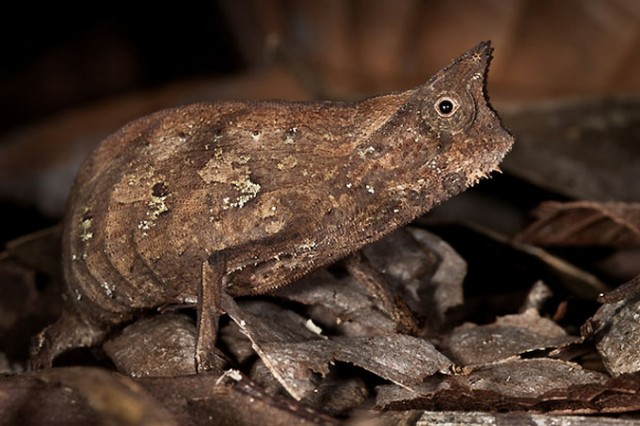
(444,137)
(455,113)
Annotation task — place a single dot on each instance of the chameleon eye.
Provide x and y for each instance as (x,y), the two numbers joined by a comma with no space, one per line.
(450,110)
(446,106)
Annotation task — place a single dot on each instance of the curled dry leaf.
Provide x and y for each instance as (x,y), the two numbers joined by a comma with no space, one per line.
(584,223)
(402,359)
(537,296)
(509,336)
(293,356)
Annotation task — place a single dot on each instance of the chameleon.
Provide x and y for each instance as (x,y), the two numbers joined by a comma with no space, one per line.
(239,198)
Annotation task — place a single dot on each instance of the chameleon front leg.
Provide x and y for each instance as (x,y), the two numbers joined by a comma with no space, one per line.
(209,300)
(361,269)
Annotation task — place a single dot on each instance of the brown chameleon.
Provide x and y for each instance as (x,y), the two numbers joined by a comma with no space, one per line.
(244,197)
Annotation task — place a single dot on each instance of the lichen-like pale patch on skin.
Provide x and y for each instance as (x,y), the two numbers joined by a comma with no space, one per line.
(157,206)
(287,163)
(222,170)
(137,179)
(248,191)
(274,227)
(217,154)
(234,171)
(362,152)
(308,246)
(108,289)
(85,229)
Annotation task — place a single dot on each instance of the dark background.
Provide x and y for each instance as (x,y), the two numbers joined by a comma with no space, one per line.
(56,57)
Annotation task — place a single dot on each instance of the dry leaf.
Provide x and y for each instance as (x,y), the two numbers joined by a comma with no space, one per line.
(583,149)
(509,336)
(28,303)
(509,386)
(163,345)
(616,330)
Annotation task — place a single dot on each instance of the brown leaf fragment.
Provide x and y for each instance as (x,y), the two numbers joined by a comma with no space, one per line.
(404,360)
(616,330)
(78,395)
(162,345)
(229,399)
(509,336)
(585,149)
(507,386)
(532,321)
(584,223)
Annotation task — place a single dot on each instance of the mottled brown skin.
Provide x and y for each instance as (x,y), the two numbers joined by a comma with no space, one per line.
(249,196)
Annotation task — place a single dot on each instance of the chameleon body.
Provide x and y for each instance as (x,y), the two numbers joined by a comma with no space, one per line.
(257,194)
